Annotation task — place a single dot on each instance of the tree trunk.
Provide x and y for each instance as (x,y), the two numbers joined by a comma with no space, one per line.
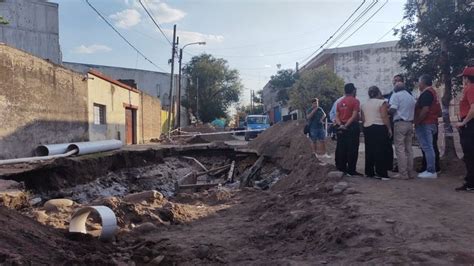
(449,149)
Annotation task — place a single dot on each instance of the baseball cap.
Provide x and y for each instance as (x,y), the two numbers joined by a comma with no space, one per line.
(468,71)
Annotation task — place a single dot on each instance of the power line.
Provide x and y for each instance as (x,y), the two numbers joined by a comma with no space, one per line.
(365,22)
(354,22)
(330,37)
(123,37)
(154,21)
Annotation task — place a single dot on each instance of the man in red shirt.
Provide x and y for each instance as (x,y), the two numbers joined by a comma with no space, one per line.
(466,127)
(347,120)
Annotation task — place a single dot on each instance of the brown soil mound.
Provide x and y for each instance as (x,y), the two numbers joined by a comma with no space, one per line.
(25,241)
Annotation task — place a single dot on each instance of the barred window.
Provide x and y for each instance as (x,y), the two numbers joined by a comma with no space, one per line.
(99,114)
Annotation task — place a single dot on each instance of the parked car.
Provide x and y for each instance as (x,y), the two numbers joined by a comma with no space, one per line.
(256,122)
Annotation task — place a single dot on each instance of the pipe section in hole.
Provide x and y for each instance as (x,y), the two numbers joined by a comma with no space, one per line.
(107,217)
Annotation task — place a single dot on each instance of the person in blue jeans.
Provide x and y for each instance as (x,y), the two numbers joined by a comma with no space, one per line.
(427,111)
(317,134)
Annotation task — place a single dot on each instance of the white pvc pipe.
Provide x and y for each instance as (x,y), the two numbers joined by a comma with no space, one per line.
(40,158)
(95,146)
(51,149)
(107,217)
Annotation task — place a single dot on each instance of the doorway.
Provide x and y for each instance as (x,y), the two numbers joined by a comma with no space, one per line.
(130,126)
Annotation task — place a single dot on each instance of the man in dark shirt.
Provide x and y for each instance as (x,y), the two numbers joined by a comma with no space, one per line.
(427,111)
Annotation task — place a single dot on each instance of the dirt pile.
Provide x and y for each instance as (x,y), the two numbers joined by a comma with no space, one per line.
(25,241)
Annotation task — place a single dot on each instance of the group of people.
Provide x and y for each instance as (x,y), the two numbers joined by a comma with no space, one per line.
(391,121)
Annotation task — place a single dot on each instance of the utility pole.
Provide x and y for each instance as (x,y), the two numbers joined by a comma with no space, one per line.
(197,98)
(178,113)
(173,52)
(251,102)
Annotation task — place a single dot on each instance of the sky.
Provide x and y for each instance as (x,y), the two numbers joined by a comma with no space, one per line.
(254,36)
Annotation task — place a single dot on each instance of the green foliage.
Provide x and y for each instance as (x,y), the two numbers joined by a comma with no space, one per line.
(247,110)
(319,83)
(282,82)
(439,37)
(3,21)
(218,86)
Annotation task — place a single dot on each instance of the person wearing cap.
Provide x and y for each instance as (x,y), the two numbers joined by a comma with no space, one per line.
(317,134)
(427,111)
(466,127)
(347,121)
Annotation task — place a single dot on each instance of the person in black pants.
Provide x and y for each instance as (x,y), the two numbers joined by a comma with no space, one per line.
(348,131)
(466,128)
(377,133)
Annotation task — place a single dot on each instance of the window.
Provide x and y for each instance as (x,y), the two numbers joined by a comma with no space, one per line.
(99,114)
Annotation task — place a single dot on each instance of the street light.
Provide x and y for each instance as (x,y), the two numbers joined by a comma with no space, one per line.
(178,113)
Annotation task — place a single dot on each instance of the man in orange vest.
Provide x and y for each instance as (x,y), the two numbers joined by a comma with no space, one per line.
(466,127)
(427,111)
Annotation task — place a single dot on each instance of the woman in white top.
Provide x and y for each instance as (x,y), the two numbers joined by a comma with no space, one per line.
(377,133)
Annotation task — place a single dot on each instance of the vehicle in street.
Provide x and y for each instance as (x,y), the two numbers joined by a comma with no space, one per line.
(258,123)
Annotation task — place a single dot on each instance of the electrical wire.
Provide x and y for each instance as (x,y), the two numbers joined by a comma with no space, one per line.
(354,22)
(123,37)
(365,22)
(155,22)
(330,37)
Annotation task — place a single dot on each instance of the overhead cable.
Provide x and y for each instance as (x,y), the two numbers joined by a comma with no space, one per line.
(330,37)
(123,37)
(155,22)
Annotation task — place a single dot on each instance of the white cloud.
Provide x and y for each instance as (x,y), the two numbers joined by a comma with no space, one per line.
(126,19)
(267,66)
(92,49)
(162,11)
(191,36)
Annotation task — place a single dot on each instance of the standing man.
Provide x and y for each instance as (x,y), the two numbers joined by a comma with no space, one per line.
(332,117)
(466,127)
(317,133)
(427,111)
(402,108)
(347,119)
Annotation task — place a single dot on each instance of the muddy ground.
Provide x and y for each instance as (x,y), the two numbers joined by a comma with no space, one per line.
(306,214)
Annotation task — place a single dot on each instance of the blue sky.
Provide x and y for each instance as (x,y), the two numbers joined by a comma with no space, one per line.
(254,36)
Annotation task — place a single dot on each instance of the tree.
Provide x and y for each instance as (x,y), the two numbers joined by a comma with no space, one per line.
(438,38)
(319,83)
(282,82)
(216,85)
(3,21)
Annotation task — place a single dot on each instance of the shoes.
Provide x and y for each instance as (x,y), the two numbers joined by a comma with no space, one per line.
(402,177)
(327,156)
(465,188)
(428,175)
(355,174)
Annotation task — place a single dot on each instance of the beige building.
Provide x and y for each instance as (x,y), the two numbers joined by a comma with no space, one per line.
(118,111)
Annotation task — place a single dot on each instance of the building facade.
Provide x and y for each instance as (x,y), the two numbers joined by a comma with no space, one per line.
(33,26)
(40,103)
(118,111)
(364,65)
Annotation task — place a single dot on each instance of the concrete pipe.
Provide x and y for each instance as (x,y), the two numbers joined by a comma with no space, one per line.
(107,216)
(95,146)
(52,149)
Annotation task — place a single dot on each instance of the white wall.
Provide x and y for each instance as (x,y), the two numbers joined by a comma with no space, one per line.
(33,27)
(369,66)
